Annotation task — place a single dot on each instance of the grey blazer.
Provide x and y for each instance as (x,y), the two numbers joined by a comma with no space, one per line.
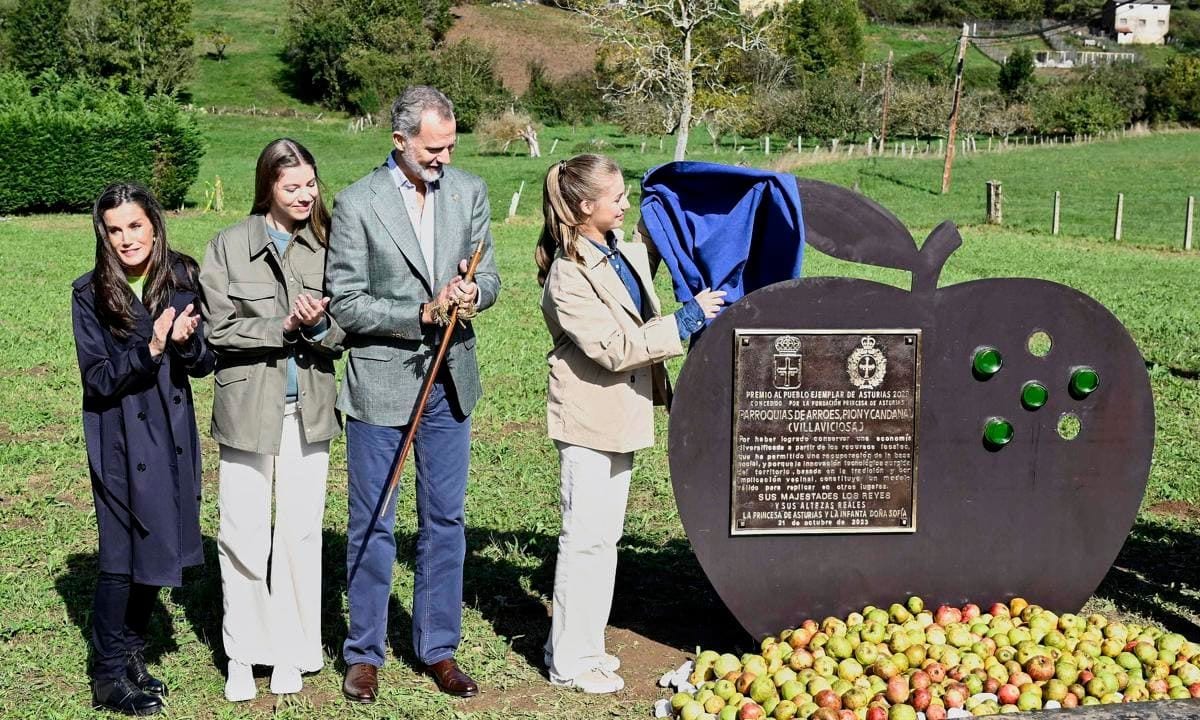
(376,277)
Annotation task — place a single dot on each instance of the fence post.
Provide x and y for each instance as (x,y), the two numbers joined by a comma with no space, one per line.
(516,198)
(995,210)
(1187,227)
(766,144)
(1057,208)
(643,147)
(1120,216)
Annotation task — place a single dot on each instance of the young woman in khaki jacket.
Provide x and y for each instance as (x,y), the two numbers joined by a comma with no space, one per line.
(605,370)
(273,417)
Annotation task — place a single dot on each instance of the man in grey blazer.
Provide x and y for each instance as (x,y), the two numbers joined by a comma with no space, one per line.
(397,249)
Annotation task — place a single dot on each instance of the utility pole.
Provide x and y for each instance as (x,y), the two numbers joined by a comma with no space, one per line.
(958,80)
(887,91)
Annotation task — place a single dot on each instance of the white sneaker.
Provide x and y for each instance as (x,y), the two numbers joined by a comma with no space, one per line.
(596,681)
(286,680)
(239,686)
(607,661)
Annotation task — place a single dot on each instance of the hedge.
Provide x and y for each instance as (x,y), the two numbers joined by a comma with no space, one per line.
(62,146)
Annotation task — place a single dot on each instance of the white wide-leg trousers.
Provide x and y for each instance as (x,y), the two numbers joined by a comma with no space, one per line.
(593,493)
(273,619)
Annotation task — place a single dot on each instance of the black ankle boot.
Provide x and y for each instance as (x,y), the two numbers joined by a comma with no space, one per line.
(124,697)
(135,670)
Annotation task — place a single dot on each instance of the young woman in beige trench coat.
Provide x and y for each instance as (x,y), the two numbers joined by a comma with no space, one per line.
(610,340)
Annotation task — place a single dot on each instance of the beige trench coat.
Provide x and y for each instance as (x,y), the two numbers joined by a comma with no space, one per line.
(245,303)
(606,364)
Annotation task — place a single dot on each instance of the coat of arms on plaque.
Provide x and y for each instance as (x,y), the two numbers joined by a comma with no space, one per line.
(866,365)
(787,362)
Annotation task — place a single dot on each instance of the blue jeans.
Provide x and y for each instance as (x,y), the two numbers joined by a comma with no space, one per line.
(442,448)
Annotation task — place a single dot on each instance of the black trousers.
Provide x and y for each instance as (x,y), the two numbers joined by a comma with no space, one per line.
(120,616)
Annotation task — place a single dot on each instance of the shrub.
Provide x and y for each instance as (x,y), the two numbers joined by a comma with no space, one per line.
(573,100)
(496,133)
(110,137)
(1174,93)
(466,73)
(1016,74)
(358,54)
(1076,108)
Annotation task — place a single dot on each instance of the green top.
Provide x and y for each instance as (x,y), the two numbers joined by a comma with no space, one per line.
(136,284)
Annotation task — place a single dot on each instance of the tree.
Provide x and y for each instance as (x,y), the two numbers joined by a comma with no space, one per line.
(1016,74)
(822,36)
(35,32)
(659,53)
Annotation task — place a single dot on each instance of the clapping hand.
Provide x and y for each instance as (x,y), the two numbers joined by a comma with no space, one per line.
(308,310)
(162,329)
(184,325)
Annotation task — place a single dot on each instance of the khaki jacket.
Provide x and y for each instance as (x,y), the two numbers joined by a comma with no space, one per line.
(606,364)
(248,290)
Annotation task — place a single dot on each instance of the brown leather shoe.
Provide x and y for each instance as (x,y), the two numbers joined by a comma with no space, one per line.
(451,680)
(361,683)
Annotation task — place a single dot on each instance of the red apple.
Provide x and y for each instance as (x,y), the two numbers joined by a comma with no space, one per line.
(991,685)
(1008,694)
(897,690)
(920,699)
(828,699)
(1194,689)
(998,610)
(1069,701)
(936,670)
(1040,668)
(845,714)
(920,680)
(752,711)
(946,615)
(953,697)
(879,712)
(970,611)
(935,712)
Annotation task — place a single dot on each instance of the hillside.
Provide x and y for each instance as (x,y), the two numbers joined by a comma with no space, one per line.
(555,37)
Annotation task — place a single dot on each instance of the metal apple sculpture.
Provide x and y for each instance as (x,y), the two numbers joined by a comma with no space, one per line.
(1005,502)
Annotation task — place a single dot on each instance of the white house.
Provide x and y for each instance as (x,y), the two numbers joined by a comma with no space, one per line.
(1140,22)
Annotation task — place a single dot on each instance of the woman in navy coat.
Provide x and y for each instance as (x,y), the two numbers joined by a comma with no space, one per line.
(138,337)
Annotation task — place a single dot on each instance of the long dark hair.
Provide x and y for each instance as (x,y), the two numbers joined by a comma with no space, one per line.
(114,298)
(568,184)
(275,157)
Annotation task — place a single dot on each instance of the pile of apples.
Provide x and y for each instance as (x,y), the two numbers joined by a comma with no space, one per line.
(899,662)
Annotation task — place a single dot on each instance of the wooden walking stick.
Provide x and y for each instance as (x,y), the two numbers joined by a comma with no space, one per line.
(419,409)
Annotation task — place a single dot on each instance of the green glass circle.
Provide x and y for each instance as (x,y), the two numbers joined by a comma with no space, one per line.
(1034,395)
(1084,382)
(987,362)
(997,432)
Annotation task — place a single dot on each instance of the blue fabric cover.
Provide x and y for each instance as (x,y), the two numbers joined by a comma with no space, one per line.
(729,228)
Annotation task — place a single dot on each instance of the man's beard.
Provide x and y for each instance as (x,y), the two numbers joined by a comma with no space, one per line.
(409,163)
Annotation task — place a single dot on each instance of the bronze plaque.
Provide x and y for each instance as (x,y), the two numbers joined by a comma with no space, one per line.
(825,431)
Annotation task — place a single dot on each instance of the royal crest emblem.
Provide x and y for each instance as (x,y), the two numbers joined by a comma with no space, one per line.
(787,362)
(866,365)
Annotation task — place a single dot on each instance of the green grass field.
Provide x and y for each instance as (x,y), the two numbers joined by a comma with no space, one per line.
(664,606)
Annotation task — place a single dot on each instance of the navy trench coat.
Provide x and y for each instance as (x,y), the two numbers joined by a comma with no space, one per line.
(142,446)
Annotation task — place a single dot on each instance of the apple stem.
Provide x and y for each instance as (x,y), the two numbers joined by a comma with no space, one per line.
(935,251)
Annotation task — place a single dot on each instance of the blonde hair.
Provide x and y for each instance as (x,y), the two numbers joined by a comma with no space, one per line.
(568,184)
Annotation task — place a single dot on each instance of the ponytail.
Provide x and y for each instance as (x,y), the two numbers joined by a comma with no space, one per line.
(568,183)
